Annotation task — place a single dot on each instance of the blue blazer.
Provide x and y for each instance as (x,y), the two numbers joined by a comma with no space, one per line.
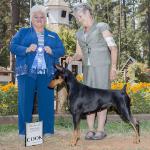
(27,36)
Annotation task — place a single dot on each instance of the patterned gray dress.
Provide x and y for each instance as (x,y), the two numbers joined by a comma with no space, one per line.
(96,56)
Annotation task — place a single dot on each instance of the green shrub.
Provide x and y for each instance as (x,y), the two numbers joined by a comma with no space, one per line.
(67,35)
(138,92)
(140,102)
(8,101)
(136,73)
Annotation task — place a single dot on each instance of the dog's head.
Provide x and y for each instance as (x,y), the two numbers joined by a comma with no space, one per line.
(61,75)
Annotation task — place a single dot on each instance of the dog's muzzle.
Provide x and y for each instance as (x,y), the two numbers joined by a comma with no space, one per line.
(55,82)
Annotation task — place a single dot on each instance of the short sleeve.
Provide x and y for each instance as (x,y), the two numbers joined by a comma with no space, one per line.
(103,26)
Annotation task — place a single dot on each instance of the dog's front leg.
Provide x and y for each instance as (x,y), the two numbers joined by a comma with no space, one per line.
(76,132)
(74,138)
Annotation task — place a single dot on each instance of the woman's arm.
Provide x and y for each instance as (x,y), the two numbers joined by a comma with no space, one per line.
(78,54)
(15,44)
(114,52)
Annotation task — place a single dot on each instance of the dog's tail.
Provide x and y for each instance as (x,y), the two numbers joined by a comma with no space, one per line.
(123,90)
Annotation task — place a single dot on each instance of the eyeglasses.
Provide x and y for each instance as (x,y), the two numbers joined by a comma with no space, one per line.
(38,18)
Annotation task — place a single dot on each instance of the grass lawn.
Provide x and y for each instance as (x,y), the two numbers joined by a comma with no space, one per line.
(65,123)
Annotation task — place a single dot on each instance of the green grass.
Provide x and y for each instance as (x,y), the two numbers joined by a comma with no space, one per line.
(65,123)
(4,129)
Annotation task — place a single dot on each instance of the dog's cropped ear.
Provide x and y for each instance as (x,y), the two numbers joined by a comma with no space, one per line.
(58,67)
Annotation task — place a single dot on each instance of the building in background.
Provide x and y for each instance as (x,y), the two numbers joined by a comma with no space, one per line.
(5,75)
(58,13)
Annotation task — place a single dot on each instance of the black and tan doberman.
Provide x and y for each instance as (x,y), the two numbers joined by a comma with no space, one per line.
(84,99)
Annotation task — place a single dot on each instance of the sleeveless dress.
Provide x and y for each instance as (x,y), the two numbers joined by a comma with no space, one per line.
(96,56)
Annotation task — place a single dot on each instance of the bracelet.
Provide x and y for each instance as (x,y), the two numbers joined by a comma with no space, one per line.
(27,50)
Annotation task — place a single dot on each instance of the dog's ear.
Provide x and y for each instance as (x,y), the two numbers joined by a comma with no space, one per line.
(58,67)
(66,65)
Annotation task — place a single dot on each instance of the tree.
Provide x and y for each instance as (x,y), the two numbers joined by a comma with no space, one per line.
(67,35)
(4,32)
(14,23)
(144,28)
(122,17)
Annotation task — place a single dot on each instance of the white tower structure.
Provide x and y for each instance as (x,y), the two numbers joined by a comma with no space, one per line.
(58,13)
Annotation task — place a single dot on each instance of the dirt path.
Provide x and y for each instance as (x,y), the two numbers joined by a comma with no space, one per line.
(61,141)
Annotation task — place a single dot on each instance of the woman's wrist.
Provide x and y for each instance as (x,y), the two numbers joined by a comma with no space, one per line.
(113,67)
(76,57)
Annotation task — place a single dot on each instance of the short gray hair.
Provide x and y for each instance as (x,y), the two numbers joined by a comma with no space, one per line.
(82,7)
(38,8)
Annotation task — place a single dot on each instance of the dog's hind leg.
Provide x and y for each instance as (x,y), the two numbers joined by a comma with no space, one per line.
(136,127)
(127,116)
(123,107)
(76,132)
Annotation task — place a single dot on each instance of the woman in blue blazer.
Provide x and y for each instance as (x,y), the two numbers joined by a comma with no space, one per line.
(37,50)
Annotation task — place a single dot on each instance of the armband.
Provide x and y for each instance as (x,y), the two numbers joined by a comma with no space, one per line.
(110,41)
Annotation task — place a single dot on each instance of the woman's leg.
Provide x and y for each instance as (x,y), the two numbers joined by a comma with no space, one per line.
(45,104)
(100,134)
(21,101)
(90,121)
(26,89)
(101,117)
(30,94)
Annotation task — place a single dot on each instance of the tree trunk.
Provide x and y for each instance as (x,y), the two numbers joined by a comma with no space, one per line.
(133,15)
(119,31)
(15,22)
(148,24)
(124,13)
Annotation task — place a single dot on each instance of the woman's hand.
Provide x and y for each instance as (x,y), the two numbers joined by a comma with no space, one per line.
(48,50)
(69,59)
(113,74)
(31,48)
(75,57)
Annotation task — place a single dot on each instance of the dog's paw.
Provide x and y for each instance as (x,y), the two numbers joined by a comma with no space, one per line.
(136,140)
(73,143)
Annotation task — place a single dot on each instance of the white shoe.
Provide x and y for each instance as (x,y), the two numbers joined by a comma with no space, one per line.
(21,140)
(22,136)
(47,136)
